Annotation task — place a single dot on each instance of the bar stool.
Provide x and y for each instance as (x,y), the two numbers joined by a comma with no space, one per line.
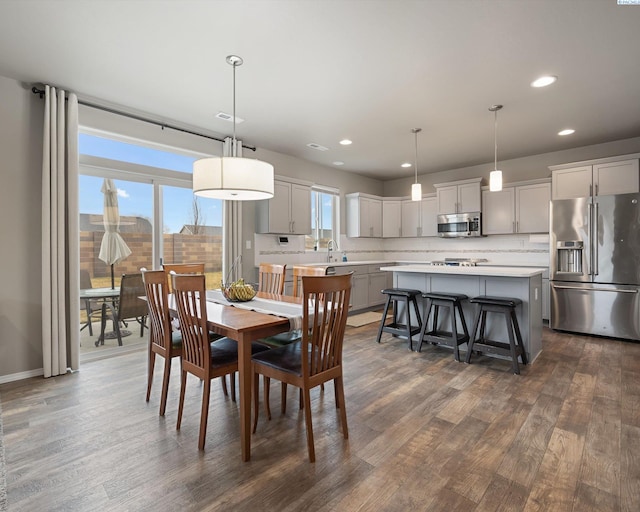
(507,307)
(396,328)
(452,338)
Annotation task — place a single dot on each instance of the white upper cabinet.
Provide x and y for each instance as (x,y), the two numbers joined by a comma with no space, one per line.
(597,178)
(516,209)
(410,218)
(391,218)
(288,211)
(364,215)
(429,215)
(459,197)
(498,211)
(532,208)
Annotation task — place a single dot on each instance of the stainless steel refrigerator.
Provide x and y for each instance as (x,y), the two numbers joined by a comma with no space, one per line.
(595,265)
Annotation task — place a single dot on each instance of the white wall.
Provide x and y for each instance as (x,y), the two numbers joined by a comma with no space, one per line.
(21,120)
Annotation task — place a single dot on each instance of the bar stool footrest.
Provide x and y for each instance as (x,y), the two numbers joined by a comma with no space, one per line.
(445,338)
(400,329)
(495,347)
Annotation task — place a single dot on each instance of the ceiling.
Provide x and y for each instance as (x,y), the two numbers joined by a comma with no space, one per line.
(321,71)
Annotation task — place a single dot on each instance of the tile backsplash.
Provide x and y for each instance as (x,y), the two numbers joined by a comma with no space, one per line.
(497,249)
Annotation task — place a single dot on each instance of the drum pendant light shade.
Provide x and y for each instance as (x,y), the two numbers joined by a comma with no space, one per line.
(495,176)
(233,177)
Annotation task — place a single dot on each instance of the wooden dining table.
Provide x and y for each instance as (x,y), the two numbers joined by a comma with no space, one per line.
(246,326)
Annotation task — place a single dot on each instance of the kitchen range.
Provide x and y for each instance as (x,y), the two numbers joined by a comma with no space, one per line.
(456,262)
(595,265)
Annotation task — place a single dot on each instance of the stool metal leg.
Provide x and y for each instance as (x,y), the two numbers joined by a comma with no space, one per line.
(408,324)
(384,317)
(472,337)
(454,332)
(423,330)
(512,345)
(514,319)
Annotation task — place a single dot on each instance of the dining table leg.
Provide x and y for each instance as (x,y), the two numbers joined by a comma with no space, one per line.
(244,376)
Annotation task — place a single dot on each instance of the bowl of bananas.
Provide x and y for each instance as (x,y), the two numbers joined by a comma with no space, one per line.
(238,291)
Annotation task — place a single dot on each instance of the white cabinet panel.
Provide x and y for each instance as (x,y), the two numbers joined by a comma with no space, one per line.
(289,211)
(532,208)
(410,218)
(599,179)
(364,216)
(498,211)
(429,213)
(459,197)
(391,219)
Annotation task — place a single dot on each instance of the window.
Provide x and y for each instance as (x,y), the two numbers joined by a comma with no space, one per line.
(324,218)
(160,220)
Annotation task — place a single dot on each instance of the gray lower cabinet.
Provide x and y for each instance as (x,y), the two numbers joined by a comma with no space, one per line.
(367,284)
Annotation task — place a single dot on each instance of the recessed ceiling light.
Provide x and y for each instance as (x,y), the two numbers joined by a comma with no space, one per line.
(543,81)
(406,164)
(346,142)
(568,131)
(338,163)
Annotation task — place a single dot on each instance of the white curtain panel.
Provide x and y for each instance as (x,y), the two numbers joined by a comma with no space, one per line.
(60,244)
(232,223)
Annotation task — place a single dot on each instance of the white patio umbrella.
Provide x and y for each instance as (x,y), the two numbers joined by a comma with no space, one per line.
(113,248)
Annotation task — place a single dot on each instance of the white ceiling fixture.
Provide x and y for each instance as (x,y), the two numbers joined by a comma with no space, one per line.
(568,131)
(416,188)
(232,177)
(228,117)
(495,176)
(346,142)
(338,163)
(313,145)
(544,81)
(405,165)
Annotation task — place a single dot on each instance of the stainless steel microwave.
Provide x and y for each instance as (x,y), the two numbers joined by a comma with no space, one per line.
(459,225)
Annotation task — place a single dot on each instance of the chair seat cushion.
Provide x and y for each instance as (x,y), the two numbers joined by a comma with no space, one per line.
(401,292)
(444,296)
(286,358)
(496,301)
(282,339)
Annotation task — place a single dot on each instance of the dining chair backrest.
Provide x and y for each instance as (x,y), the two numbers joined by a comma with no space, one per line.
(326,305)
(299,271)
(131,289)
(181,268)
(271,278)
(189,293)
(156,290)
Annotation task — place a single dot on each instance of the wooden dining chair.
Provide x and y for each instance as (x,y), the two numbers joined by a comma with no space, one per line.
(271,278)
(201,357)
(317,357)
(163,340)
(181,268)
(279,340)
(198,268)
(204,359)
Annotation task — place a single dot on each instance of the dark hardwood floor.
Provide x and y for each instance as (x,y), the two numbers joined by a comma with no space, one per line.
(425,433)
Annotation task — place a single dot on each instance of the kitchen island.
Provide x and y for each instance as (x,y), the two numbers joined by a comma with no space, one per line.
(523,283)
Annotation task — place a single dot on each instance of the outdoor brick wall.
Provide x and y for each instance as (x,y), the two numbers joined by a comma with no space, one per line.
(178,248)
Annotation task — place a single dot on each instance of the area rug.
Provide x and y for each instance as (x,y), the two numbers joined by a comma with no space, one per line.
(364,318)
(3,479)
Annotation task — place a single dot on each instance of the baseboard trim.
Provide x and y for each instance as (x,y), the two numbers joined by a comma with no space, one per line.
(38,372)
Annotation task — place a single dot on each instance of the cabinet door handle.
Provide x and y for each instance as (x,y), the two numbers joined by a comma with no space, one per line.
(590,190)
(517,226)
(596,189)
(293,226)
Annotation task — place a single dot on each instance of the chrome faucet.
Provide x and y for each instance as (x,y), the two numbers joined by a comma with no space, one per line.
(332,245)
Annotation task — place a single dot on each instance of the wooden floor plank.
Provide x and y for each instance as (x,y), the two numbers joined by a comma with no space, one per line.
(425,433)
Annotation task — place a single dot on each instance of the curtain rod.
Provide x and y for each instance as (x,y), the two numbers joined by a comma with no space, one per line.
(41,92)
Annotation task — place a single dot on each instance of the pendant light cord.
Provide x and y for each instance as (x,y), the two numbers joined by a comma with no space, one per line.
(495,140)
(416,131)
(234,106)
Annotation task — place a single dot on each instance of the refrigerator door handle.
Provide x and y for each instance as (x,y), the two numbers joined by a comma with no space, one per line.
(594,240)
(590,233)
(594,289)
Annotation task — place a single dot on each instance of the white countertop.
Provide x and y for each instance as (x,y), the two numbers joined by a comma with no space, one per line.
(467,271)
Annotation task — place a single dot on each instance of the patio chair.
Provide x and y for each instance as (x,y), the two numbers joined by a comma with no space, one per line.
(90,306)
